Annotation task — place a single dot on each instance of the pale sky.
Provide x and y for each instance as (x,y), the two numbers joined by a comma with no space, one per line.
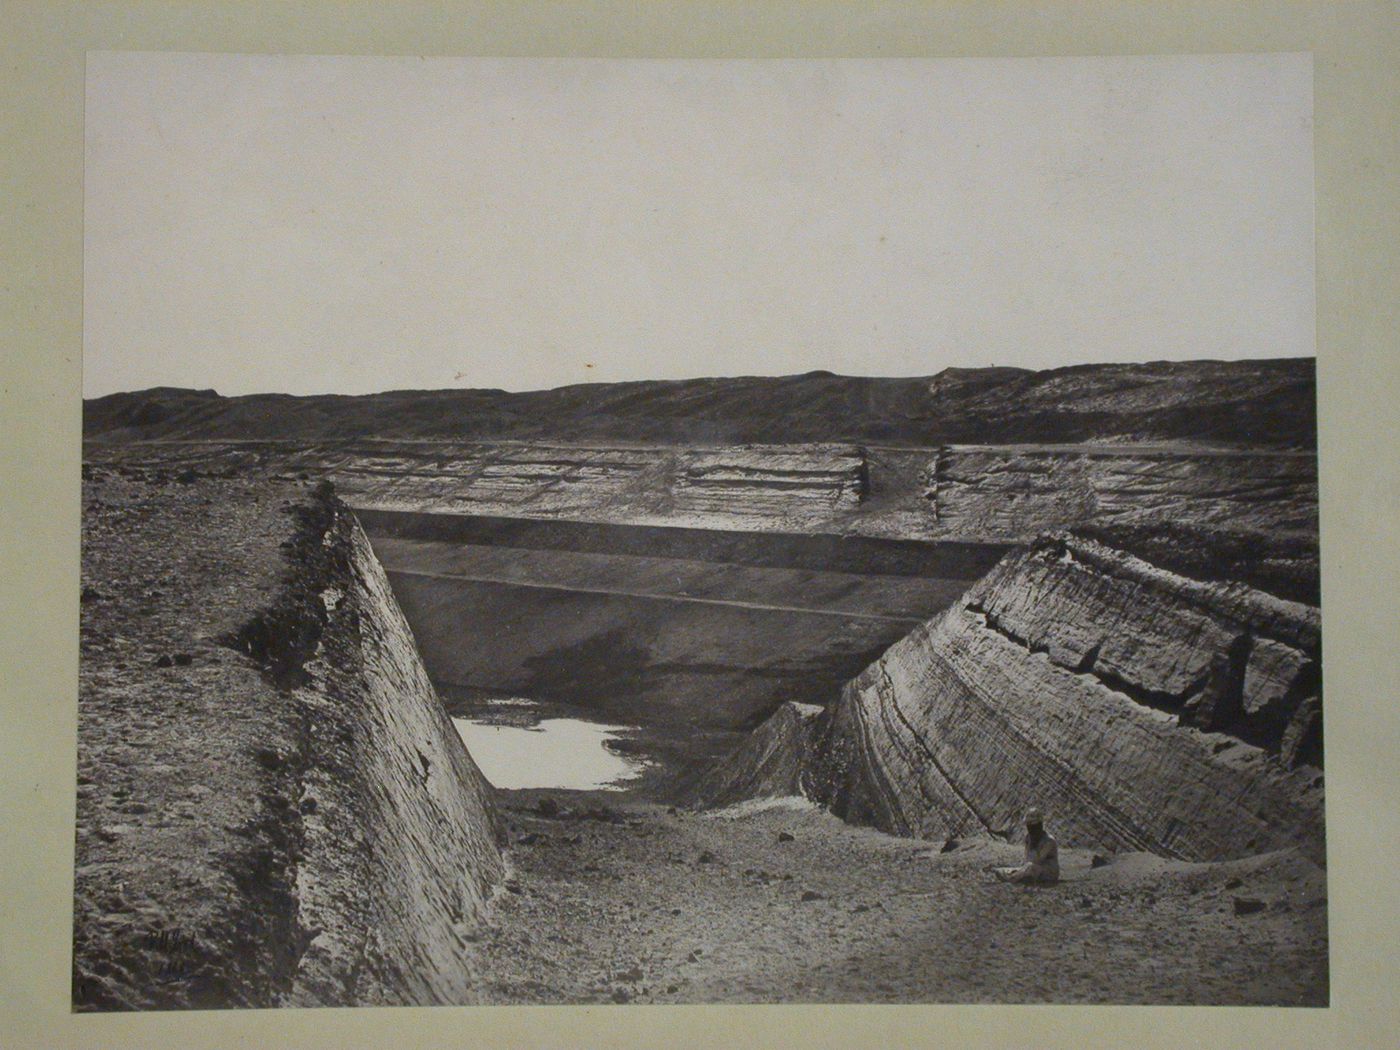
(352,224)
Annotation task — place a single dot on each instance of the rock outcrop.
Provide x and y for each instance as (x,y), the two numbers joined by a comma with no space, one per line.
(763,485)
(1143,710)
(1017,492)
(273,807)
(979,493)
(770,763)
(753,487)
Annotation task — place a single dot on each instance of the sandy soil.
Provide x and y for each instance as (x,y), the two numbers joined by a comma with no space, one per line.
(638,903)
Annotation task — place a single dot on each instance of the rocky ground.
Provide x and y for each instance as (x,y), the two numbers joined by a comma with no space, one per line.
(610,897)
(615,899)
(177,826)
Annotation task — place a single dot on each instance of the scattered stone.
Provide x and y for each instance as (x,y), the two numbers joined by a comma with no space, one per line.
(812,895)
(783,836)
(1248,905)
(602,814)
(547,807)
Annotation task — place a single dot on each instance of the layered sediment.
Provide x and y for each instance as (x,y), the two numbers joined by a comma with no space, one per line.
(1017,492)
(273,807)
(1007,493)
(1144,710)
(759,487)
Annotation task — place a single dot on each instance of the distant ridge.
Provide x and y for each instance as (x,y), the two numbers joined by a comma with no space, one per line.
(1249,403)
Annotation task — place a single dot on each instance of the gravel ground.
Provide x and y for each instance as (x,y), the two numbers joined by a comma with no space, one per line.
(620,900)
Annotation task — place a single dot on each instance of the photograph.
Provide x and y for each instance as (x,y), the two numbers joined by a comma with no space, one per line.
(672,531)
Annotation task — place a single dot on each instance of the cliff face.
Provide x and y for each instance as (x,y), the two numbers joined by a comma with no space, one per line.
(770,763)
(1017,492)
(760,484)
(1142,710)
(273,808)
(1005,493)
(750,487)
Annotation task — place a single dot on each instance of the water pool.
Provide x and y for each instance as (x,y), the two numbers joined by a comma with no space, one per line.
(553,752)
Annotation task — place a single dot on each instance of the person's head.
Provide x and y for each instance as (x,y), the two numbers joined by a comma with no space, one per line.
(1035,824)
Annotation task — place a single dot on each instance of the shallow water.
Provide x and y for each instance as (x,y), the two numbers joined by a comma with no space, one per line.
(550,753)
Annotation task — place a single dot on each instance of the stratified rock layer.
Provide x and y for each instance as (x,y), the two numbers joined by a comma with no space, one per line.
(979,493)
(273,808)
(1142,710)
(1017,492)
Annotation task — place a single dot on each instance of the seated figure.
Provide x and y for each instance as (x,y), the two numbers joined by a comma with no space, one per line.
(1042,855)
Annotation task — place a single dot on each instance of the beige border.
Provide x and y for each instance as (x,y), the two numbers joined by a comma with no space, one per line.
(1357,98)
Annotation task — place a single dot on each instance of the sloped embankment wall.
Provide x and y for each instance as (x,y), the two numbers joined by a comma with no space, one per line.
(400,849)
(281,814)
(1143,709)
(771,762)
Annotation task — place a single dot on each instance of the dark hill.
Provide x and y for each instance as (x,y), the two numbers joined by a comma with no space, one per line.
(1261,403)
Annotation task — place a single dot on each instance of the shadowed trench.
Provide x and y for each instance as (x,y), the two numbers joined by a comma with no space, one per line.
(695,636)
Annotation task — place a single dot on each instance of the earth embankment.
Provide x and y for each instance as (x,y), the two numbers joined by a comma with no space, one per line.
(273,809)
(1142,709)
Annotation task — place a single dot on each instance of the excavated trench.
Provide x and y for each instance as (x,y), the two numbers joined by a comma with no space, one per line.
(688,637)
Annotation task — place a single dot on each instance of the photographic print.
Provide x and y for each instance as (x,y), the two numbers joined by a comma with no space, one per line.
(699,531)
